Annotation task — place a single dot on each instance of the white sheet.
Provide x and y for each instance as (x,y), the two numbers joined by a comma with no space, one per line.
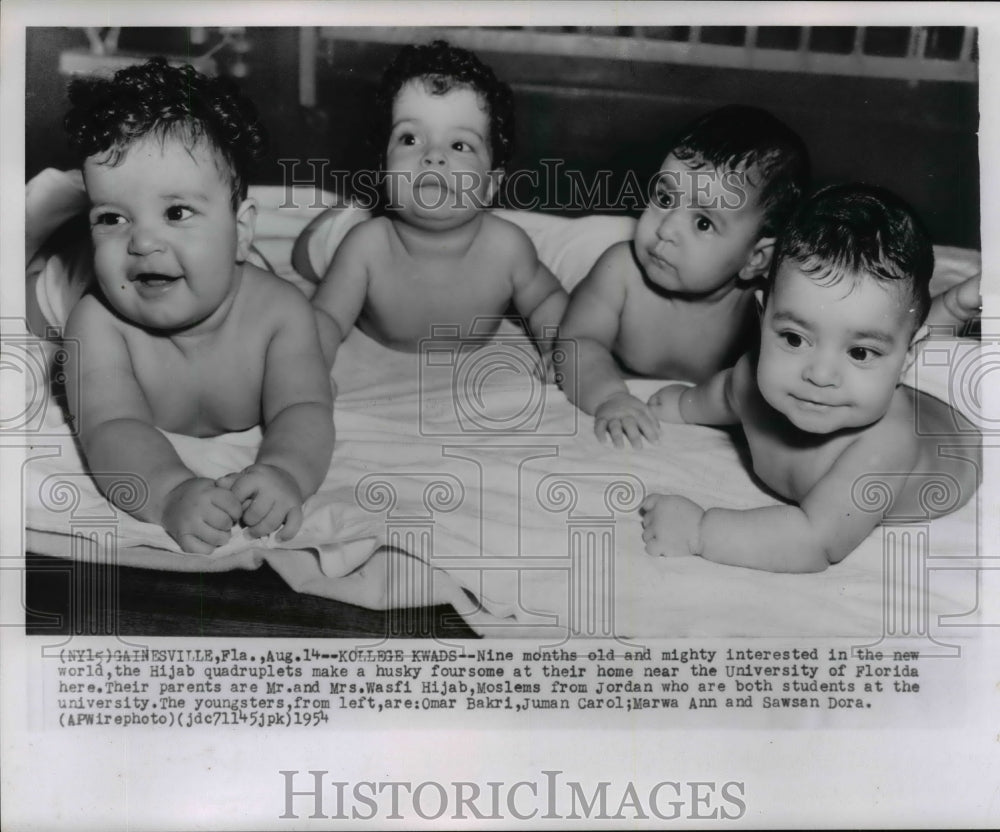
(519,501)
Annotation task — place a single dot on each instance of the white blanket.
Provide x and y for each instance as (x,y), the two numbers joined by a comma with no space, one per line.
(507,504)
(542,524)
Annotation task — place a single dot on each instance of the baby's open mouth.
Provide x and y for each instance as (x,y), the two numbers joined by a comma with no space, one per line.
(150,285)
(155,280)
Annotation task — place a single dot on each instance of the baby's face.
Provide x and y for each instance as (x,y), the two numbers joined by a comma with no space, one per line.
(699,230)
(165,234)
(831,355)
(438,160)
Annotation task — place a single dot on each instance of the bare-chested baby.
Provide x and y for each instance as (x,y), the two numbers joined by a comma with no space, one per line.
(820,402)
(676,302)
(436,256)
(180,333)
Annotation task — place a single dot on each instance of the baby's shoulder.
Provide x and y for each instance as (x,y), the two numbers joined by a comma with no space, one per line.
(88,310)
(616,266)
(496,233)
(618,259)
(892,443)
(371,228)
(937,424)
(741,386)
(934,460)
(262,285)
(367,238)
(102,337)
(742,376)
(92,316)
(266,297)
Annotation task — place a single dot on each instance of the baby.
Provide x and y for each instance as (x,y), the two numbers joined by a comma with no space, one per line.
(437,257)
(180,333)
(820,402)
(677,301)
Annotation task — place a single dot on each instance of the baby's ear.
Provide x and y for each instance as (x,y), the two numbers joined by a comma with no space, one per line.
(758,260)
(911,351)
(246,220)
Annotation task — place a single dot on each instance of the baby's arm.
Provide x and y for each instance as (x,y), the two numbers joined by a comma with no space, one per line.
(118,437)
(341,294)
(826,527)
(590,376)
(961,303)
(708,403)
(538,295)
(294,455)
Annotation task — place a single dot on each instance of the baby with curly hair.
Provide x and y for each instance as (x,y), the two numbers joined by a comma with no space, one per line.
(436,257)
(820,400)
(181,333)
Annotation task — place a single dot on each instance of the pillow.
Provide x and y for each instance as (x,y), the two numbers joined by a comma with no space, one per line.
(314,248)
(282,215)
(571,246)
(58,264)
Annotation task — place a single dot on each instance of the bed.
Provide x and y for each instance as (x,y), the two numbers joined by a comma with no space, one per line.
(461,481)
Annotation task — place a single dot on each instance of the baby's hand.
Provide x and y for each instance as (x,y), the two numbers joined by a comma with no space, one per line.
(960,304)
(270,498)
(665,403)
(199,515)
(670,525)
(623,415)
(964,300)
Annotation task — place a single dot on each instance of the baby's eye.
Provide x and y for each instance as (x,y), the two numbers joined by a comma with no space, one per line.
(665,199)
(407,139)
(462,147)
(703,223)
(792,339)
(862,354)
(176,213)
(108,218)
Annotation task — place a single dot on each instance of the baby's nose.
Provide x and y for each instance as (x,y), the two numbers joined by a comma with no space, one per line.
(669,223)
(434,156)
(143,241)
(822,371)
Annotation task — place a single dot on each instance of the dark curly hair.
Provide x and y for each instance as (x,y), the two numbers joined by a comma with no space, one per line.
(858,230)
(156,99)
(737,136)
(442,68)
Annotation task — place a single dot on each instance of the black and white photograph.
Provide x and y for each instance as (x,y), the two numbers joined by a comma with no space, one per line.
(546,415)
